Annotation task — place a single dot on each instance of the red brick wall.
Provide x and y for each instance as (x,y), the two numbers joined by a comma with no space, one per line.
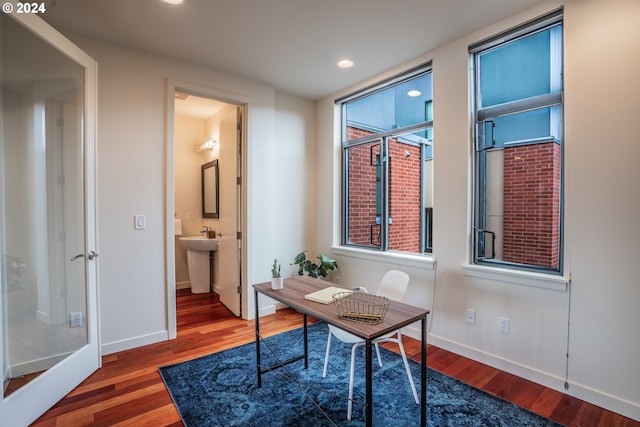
(404,190)
(532,204)
(531,200)
(362,195)
(404,199)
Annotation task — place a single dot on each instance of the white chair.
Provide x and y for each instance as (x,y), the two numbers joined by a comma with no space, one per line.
(393,286)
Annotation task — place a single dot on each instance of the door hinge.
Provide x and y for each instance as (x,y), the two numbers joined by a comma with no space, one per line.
(239,289)
(239,235)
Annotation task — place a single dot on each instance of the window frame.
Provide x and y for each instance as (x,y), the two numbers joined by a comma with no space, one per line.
(383,139)
(481,116)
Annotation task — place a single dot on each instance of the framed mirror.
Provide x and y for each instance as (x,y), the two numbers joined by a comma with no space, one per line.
(210,187)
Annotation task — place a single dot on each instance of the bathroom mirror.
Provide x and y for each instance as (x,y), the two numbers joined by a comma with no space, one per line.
(210,199)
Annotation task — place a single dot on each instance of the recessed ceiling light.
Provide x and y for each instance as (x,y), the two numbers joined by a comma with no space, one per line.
(414,93)
(345,63)
(173,1)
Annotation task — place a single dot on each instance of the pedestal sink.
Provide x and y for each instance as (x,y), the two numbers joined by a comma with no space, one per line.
(198,252)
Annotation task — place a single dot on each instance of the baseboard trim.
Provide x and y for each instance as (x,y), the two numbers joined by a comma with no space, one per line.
(183,285)
(510,366)
(605,400)
(116,346)
(266,311)
(36,365)
(577,390)
(280,305)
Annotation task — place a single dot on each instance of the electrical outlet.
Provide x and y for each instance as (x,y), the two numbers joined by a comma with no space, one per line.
(75,319)
(471,316)
(503,325)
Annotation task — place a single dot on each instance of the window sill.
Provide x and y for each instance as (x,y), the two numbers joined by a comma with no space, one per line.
(516,277)
(423,262)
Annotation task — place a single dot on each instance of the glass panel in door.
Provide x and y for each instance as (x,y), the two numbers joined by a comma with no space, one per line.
(44,291)
(46,319)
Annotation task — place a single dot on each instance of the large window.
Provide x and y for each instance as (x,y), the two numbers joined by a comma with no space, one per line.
(518,147)
(387,154)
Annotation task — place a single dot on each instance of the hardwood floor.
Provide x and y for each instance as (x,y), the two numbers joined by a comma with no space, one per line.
(128,391)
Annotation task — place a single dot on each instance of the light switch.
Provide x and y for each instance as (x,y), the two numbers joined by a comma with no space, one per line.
(139,222)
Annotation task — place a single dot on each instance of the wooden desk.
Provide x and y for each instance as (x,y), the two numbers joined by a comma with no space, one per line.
(397,316)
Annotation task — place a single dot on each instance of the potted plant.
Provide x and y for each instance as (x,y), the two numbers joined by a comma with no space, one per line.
(312,269)
(277,282)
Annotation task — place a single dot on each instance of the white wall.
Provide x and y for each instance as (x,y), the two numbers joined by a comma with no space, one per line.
(293,165)
(603,174)
(290,212)
(132,176)
(602,56)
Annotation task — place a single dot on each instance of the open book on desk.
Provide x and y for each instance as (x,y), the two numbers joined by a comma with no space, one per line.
(325,296)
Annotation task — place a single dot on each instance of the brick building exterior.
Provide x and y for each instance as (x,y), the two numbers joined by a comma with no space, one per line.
(404,194)
(531,199)
(532,204)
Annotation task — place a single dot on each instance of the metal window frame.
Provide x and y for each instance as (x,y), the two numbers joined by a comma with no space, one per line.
(387,83)
(383,139)
(483,115)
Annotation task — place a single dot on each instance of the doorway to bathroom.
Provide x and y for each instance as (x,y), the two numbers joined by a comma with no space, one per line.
(208,160)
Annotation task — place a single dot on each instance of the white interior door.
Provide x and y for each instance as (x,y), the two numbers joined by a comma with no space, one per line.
(228,261)
(48,315)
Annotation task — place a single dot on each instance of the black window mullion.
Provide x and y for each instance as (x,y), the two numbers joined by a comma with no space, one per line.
(384,218)
(481,205)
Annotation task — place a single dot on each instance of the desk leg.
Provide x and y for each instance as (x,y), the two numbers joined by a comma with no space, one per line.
(368,390)
(423,375)
(306,343)
(257,324)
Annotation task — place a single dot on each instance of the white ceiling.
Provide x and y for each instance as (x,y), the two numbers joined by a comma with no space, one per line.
(196,107)
(292,45)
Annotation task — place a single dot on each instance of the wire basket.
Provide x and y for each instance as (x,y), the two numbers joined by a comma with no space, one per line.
(361,307)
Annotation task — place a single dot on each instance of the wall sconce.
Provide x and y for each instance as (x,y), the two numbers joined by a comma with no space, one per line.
(207,145)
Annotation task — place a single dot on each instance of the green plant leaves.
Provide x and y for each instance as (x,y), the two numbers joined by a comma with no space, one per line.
(312,269)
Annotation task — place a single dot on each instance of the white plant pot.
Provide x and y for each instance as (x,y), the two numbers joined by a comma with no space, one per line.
(277,283)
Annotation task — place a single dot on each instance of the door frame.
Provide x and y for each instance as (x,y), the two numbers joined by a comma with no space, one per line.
(33,399)
(170,273)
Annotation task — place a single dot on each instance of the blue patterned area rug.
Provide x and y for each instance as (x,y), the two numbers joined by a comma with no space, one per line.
(220,390)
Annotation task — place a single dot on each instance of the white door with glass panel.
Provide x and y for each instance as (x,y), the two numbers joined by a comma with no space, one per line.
(48,312)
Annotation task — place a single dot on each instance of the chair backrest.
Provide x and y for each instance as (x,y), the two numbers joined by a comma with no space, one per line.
(394,285)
